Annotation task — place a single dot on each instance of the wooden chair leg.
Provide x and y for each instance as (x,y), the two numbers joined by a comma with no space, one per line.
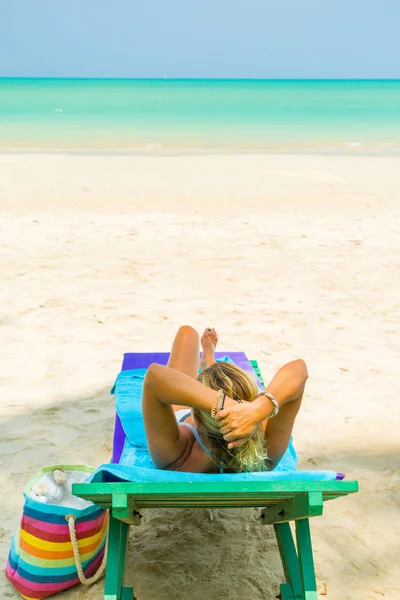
(117,543)
(291,590)
(306,561)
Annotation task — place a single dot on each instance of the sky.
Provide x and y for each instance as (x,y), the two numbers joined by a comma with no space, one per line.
(200,38)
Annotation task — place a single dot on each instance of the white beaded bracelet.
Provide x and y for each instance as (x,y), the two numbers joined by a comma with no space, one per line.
(274,402)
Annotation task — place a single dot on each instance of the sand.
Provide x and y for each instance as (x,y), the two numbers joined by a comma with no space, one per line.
(287,256)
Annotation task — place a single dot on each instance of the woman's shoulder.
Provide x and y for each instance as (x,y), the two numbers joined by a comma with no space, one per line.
(188,437)
(194,459)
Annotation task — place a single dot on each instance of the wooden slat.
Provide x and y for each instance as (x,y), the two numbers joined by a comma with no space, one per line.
(306,560)
(283,488)
(190,495)
(290,562)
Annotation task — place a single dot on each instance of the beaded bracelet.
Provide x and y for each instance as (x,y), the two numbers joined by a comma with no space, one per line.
(218,399)
(273,401)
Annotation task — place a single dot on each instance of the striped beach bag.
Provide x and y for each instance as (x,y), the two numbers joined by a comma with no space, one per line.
(57,546)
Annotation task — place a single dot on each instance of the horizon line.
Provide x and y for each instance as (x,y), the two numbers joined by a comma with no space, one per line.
(166,78)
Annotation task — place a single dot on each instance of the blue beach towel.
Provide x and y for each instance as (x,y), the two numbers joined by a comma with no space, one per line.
(135,464)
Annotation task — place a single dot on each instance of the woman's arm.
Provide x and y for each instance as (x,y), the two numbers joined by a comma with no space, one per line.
(287,386)
(164,386)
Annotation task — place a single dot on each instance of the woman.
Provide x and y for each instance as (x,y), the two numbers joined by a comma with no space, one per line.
(217,421)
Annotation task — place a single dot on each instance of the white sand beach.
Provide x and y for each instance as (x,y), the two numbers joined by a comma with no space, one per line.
(287,256)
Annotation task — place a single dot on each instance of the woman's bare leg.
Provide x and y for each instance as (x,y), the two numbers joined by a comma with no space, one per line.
(185,351)
(184,354)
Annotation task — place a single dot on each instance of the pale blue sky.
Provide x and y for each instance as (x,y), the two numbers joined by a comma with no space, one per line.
(200,38)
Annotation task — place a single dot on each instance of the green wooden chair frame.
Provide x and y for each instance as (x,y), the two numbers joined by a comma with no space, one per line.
(281,502)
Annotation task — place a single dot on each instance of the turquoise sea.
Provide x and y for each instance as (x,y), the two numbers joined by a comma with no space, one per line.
(197,115)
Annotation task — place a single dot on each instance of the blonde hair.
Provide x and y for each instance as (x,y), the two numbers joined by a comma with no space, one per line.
(236,384)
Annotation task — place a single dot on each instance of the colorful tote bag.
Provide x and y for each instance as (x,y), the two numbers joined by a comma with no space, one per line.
(57,546)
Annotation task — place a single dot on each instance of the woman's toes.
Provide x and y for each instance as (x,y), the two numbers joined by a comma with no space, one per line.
(214,337)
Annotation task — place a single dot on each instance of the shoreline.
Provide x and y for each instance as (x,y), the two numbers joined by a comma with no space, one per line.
(350,149)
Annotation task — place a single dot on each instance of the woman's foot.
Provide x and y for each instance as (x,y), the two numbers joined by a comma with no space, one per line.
(209,341)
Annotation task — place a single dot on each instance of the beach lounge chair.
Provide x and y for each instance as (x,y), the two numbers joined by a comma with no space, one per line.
(284,494)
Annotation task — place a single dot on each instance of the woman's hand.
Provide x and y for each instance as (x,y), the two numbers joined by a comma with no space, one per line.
(238,422)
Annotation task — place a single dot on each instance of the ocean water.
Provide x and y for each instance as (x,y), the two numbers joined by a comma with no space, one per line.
(200,115)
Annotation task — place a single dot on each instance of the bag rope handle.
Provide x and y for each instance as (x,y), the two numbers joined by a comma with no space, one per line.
(78,563)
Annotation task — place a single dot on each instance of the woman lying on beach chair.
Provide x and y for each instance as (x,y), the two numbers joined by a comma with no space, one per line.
(217,421)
